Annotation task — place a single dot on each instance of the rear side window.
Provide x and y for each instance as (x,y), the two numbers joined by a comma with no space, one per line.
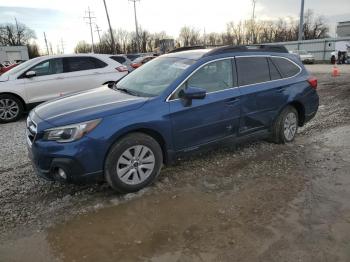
(274,73)
(252,70)
(286,67)
(119,59)
(73,64)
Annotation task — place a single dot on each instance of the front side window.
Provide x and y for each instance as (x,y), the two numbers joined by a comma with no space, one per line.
(212,77)
(154,77)
(73,64)
(252,70)
(285,66)
(48,67)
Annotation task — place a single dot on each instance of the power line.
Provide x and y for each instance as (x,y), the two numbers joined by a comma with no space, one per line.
(110,28)
(90,18)
(137,30)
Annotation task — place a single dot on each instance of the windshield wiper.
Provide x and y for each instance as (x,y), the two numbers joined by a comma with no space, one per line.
(126,91)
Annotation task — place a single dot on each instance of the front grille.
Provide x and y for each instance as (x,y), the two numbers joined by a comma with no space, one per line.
(31,130)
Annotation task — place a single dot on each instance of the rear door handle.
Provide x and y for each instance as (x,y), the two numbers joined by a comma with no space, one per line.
(281,89)
(59,77)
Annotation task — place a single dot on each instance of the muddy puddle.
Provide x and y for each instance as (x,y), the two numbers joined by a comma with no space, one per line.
(301,213)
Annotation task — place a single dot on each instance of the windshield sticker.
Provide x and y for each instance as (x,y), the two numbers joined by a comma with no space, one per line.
(179,65)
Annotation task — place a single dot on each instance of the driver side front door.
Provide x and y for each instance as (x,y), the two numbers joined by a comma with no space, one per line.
(212,118)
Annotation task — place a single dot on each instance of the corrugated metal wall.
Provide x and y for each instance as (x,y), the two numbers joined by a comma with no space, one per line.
(321,48)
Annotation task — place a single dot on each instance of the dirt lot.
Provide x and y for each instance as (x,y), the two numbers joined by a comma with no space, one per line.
(255,202)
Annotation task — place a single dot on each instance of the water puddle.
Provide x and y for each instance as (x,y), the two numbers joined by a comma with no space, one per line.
(288,217)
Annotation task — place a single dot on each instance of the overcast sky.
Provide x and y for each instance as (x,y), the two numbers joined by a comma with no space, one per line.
(64,19)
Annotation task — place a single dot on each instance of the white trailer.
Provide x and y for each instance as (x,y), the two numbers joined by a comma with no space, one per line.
(11,54)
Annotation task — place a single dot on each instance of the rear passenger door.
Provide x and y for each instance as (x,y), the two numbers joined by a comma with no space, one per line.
(81,73)
(264,90)
(212,118)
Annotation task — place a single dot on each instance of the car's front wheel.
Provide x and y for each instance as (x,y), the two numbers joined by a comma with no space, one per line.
(286,126)
(133,163)
(11,108)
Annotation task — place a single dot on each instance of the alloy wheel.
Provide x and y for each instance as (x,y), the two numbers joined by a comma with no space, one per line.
(9,109)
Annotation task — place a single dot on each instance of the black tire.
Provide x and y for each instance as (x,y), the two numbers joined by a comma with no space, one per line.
(278,131)
(115,155)
(5,117)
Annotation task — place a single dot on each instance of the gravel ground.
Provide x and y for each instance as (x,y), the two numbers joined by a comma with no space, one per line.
(266,181)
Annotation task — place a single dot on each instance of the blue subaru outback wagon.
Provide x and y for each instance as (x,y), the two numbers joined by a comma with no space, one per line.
(176,103)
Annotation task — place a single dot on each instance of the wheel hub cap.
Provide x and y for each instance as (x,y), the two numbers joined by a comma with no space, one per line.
(290,126)
(135,165)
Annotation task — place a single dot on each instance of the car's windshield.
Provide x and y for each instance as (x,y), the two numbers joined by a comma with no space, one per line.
(154,77)
(21,66)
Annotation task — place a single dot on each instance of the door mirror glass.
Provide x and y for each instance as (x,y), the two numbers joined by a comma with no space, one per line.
(189,93)
(30,74)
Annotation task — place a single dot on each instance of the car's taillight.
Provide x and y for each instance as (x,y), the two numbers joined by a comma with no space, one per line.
(313,82)
(122,68)
(135,65)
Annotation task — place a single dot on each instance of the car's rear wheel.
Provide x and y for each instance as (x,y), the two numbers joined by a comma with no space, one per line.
(11,108)
(286,126)
(133,163)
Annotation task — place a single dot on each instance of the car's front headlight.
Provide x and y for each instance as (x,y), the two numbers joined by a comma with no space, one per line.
(65,134)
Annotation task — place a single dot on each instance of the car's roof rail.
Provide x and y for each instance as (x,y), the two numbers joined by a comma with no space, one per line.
(186,48)
(247,48)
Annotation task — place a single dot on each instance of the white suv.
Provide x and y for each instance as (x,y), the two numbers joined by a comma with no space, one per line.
(48,77)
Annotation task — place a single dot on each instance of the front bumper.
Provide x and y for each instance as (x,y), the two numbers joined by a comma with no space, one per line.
(74,171)
(48,157)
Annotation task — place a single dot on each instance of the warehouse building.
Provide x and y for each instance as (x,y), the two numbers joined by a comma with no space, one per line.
(343,29)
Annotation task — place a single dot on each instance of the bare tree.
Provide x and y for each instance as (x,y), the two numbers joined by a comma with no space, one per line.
(82,47)
(10,34)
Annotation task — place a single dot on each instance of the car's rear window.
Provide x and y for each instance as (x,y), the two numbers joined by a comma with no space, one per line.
(285,66)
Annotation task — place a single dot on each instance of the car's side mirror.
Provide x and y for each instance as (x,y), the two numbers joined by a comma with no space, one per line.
(188,94)
(30,74)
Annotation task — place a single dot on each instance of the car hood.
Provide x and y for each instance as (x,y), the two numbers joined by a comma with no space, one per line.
(84,106)
(4,78)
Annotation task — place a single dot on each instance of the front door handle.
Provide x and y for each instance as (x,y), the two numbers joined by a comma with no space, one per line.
(231,101)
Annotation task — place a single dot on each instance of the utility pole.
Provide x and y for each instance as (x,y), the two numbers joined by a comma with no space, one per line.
(98,30)
(47,47)
(18,34)
(51,48)
(110,28)
(301,22)
(62,45)
(89,17)
(254,2)
(137,30)
(253,21)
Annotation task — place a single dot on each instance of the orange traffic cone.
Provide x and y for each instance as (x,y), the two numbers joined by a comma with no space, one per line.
(335,71)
